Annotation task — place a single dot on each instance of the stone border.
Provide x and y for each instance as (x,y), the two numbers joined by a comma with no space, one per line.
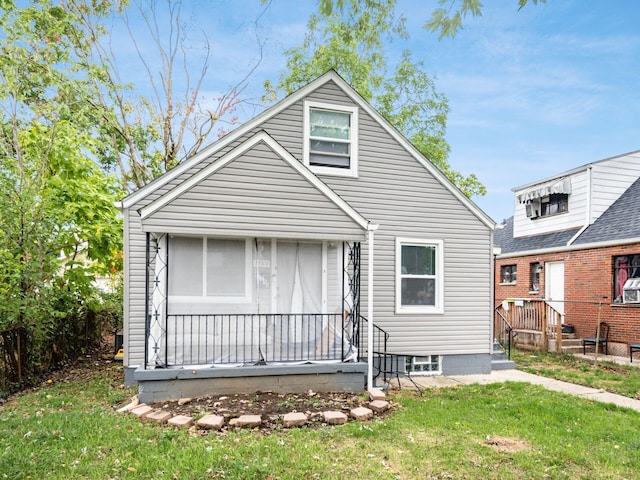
(377,405)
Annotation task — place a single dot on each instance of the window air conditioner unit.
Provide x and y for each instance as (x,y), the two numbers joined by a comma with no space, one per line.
(533,208)
(631,291)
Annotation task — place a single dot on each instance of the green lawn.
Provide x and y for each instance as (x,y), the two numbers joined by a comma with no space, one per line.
(620,379)
(71,430)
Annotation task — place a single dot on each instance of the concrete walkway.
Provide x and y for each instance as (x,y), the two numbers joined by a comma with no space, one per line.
(519,376)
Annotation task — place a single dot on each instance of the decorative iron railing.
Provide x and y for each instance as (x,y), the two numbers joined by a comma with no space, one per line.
(256,339)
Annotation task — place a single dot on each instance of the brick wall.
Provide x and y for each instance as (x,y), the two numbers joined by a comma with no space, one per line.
(588,280)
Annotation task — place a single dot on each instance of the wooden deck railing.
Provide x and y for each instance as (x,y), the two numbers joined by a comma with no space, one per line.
(533,315)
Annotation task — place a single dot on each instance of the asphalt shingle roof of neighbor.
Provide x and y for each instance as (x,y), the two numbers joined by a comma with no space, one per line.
(621,220)
(504,239)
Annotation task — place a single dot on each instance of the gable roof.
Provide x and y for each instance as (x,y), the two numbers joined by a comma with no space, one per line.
(330,76)
(281,152)
(621,220)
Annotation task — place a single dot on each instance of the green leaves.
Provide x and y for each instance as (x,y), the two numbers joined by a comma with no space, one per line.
(352,39)
(447,21)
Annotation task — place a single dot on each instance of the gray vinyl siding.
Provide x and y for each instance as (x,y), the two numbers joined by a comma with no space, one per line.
(135,270)
(256,195)
(392,190)
(396,192)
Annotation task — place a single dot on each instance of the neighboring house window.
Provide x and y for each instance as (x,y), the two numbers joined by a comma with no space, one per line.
(331,139)
(508,274)
(419,276)
(535,276)
(625,267)
(555,203)
(550,205)
(213,268)
(429,365)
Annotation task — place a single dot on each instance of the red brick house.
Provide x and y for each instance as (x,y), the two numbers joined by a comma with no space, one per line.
(574,241)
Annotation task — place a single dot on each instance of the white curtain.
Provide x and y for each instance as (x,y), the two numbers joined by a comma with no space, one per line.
(292,276)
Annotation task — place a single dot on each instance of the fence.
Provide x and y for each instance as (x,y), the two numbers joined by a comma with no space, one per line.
(13,357)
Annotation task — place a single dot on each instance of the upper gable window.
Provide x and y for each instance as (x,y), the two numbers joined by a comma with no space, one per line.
(331,143)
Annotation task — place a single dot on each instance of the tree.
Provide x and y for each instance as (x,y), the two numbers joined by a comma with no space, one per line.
(59,226)
(65,112)
(352,41)
(446,21)
(144,135)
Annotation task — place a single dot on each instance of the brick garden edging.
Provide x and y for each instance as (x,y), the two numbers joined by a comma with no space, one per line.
(377,405)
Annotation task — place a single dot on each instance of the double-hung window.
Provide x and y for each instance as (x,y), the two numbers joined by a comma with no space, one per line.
(535,269)
(419,276)
(508,273)
(331,143)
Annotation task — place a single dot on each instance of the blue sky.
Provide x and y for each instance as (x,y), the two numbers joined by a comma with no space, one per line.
(532,92)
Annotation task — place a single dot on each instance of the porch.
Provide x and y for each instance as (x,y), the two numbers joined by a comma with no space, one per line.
(192,351)
(529,324)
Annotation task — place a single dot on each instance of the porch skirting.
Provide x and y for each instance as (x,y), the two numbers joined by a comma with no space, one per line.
(160,385)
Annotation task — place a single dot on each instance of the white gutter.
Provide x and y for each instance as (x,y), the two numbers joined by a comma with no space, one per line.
(587,222)
(570,248)
(371,228)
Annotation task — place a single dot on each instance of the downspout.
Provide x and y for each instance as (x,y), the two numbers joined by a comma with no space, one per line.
(588,219)
(371,228)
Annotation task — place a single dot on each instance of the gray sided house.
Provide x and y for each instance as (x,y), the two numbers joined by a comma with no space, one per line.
(313,247)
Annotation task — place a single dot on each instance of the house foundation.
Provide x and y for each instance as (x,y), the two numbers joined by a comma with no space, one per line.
(161,385)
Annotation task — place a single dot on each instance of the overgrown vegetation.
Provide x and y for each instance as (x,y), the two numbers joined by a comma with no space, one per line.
(69,429)
(620,379)
(74,138)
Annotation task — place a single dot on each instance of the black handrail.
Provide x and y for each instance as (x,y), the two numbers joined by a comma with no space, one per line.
(504,334)
(380,338)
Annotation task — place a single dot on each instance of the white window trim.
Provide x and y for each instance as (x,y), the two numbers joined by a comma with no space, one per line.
(439,295)
(352,171)
(204,298)
(419,373)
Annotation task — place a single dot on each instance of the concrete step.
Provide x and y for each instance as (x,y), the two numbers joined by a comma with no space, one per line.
(571,349)
(498,356)
(502,364)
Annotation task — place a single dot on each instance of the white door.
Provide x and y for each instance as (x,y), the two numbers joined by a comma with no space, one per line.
(554,285)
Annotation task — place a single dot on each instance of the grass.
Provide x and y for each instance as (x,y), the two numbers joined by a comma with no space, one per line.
(620,379)
(509,431)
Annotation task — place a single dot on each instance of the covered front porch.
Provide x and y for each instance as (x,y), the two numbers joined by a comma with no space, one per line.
(231,315)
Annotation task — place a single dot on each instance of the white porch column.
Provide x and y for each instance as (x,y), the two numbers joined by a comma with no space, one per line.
(370,230)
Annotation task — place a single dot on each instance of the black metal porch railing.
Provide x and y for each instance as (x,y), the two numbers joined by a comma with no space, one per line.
(503,331)
(255,339)
(382,361)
